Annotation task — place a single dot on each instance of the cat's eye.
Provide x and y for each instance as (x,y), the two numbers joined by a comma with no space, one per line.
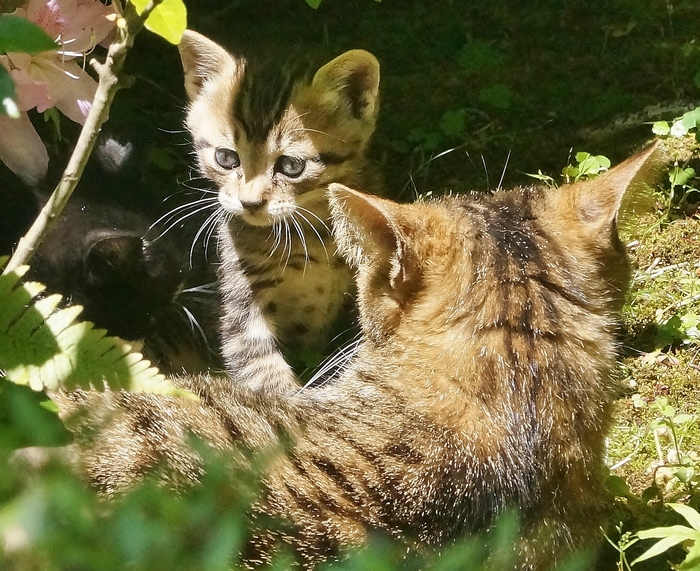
(227,158)
(290,166)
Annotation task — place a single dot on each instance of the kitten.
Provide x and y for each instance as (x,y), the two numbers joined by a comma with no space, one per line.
(106,258)
(271,144)
(483,383)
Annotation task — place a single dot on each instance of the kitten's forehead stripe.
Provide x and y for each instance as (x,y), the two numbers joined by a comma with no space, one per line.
(263,97)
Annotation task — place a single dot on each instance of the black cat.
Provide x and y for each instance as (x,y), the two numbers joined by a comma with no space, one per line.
(130,279)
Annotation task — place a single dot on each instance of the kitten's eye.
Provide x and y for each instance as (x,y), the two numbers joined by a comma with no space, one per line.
(227,158)
(290,166)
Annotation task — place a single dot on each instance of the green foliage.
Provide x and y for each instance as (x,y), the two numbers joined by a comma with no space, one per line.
(53,522)
(18,35)
(587,166)
(679,127)
(168,20)
(684,193)
(28,419)
(673,535)
(43,345)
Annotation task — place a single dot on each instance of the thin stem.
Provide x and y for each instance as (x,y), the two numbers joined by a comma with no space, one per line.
(129,24)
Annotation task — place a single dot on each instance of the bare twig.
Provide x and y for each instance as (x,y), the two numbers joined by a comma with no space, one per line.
(129,24)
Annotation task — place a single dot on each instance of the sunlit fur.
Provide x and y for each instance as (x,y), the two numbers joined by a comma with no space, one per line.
(281,279)
(483,382)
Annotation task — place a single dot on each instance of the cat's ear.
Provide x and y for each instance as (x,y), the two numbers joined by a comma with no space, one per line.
(113,255)
(351,82)
(368,232)
(202,59)
(595,203)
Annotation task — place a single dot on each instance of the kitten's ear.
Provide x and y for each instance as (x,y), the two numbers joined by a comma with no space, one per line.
(351,81)
(595,203)
(367,230)
(113,255)
(201,59)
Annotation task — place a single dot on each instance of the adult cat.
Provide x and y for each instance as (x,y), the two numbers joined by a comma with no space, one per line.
(483,383)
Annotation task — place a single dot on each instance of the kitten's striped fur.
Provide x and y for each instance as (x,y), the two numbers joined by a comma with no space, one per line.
(483,383)
(281,278)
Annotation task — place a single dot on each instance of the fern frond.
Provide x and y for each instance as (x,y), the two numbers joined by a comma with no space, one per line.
(44,346)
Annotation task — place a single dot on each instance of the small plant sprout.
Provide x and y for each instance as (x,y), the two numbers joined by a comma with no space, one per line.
(588,166)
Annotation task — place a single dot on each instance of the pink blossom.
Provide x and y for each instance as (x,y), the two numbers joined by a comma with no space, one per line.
(51,78)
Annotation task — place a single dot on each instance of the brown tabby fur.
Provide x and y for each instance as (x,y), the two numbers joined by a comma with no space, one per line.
(483,383)
(282,283)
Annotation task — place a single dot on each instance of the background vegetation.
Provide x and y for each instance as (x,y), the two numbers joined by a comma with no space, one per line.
(474,95)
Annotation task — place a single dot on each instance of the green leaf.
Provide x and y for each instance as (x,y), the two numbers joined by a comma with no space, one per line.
(18,34)
(692,559)
(8,98)
(452,122)
(570,172)
(480,57)
(603,162)
(691,119)
(497,95)
(25,421)
(683,473)
(619,487)
(43,346)
(168,20)
(669,536)
(678,129)
(679,176)
(661,128)
(316,3)
(691,515)
(667,333)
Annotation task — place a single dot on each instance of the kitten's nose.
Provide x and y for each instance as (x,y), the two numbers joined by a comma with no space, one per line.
(253,206)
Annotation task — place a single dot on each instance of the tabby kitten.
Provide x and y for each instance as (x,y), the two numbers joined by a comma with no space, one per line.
(483,383)
(271,144)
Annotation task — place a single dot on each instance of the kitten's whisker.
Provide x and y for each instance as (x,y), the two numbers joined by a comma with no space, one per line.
(277,231)
(194,324)
(212,229)
(287,242)
(174,211)
(317,217)
(180,213)
(300,232)
(486,171)
(338,361)
(338,357)
(323,244)
(207,227)
(207,289)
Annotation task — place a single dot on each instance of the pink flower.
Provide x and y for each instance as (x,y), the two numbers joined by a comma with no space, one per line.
(51,78)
